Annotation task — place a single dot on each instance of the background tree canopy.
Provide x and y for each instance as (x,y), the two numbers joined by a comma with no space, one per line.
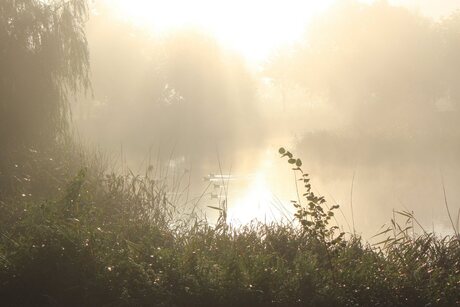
(376,62)
(182,86)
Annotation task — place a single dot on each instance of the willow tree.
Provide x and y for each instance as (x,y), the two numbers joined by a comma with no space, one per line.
(44,60)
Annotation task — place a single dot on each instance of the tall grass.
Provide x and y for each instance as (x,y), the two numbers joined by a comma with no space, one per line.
(93,238)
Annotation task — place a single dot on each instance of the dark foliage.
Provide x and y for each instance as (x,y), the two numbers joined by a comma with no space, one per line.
(44,58)
(111,240)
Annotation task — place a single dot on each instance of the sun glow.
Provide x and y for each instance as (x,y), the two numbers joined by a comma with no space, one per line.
(258,199)
(252,28)
(255,204)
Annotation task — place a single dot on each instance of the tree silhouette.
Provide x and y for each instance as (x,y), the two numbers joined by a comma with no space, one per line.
(44,59)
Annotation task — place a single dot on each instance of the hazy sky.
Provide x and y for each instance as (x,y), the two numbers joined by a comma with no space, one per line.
(253,28)
(434,8)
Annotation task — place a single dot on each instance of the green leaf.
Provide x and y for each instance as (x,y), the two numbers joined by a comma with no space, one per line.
(292,161)
(298,163)
(282,150)
(382,232)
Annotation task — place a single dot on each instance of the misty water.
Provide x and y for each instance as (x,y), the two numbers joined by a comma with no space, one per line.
(370,108)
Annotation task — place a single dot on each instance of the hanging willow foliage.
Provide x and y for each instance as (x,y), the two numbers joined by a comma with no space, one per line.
(44,60)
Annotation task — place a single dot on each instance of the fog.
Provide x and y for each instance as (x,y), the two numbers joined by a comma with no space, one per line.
(367,96)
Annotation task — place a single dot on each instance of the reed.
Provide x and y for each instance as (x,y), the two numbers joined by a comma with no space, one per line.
(107,239)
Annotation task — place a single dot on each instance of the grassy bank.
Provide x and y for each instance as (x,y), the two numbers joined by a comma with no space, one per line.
(73,234)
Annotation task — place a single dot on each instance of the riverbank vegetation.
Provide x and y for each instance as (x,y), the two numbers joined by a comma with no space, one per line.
(75,231)
(103,239)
